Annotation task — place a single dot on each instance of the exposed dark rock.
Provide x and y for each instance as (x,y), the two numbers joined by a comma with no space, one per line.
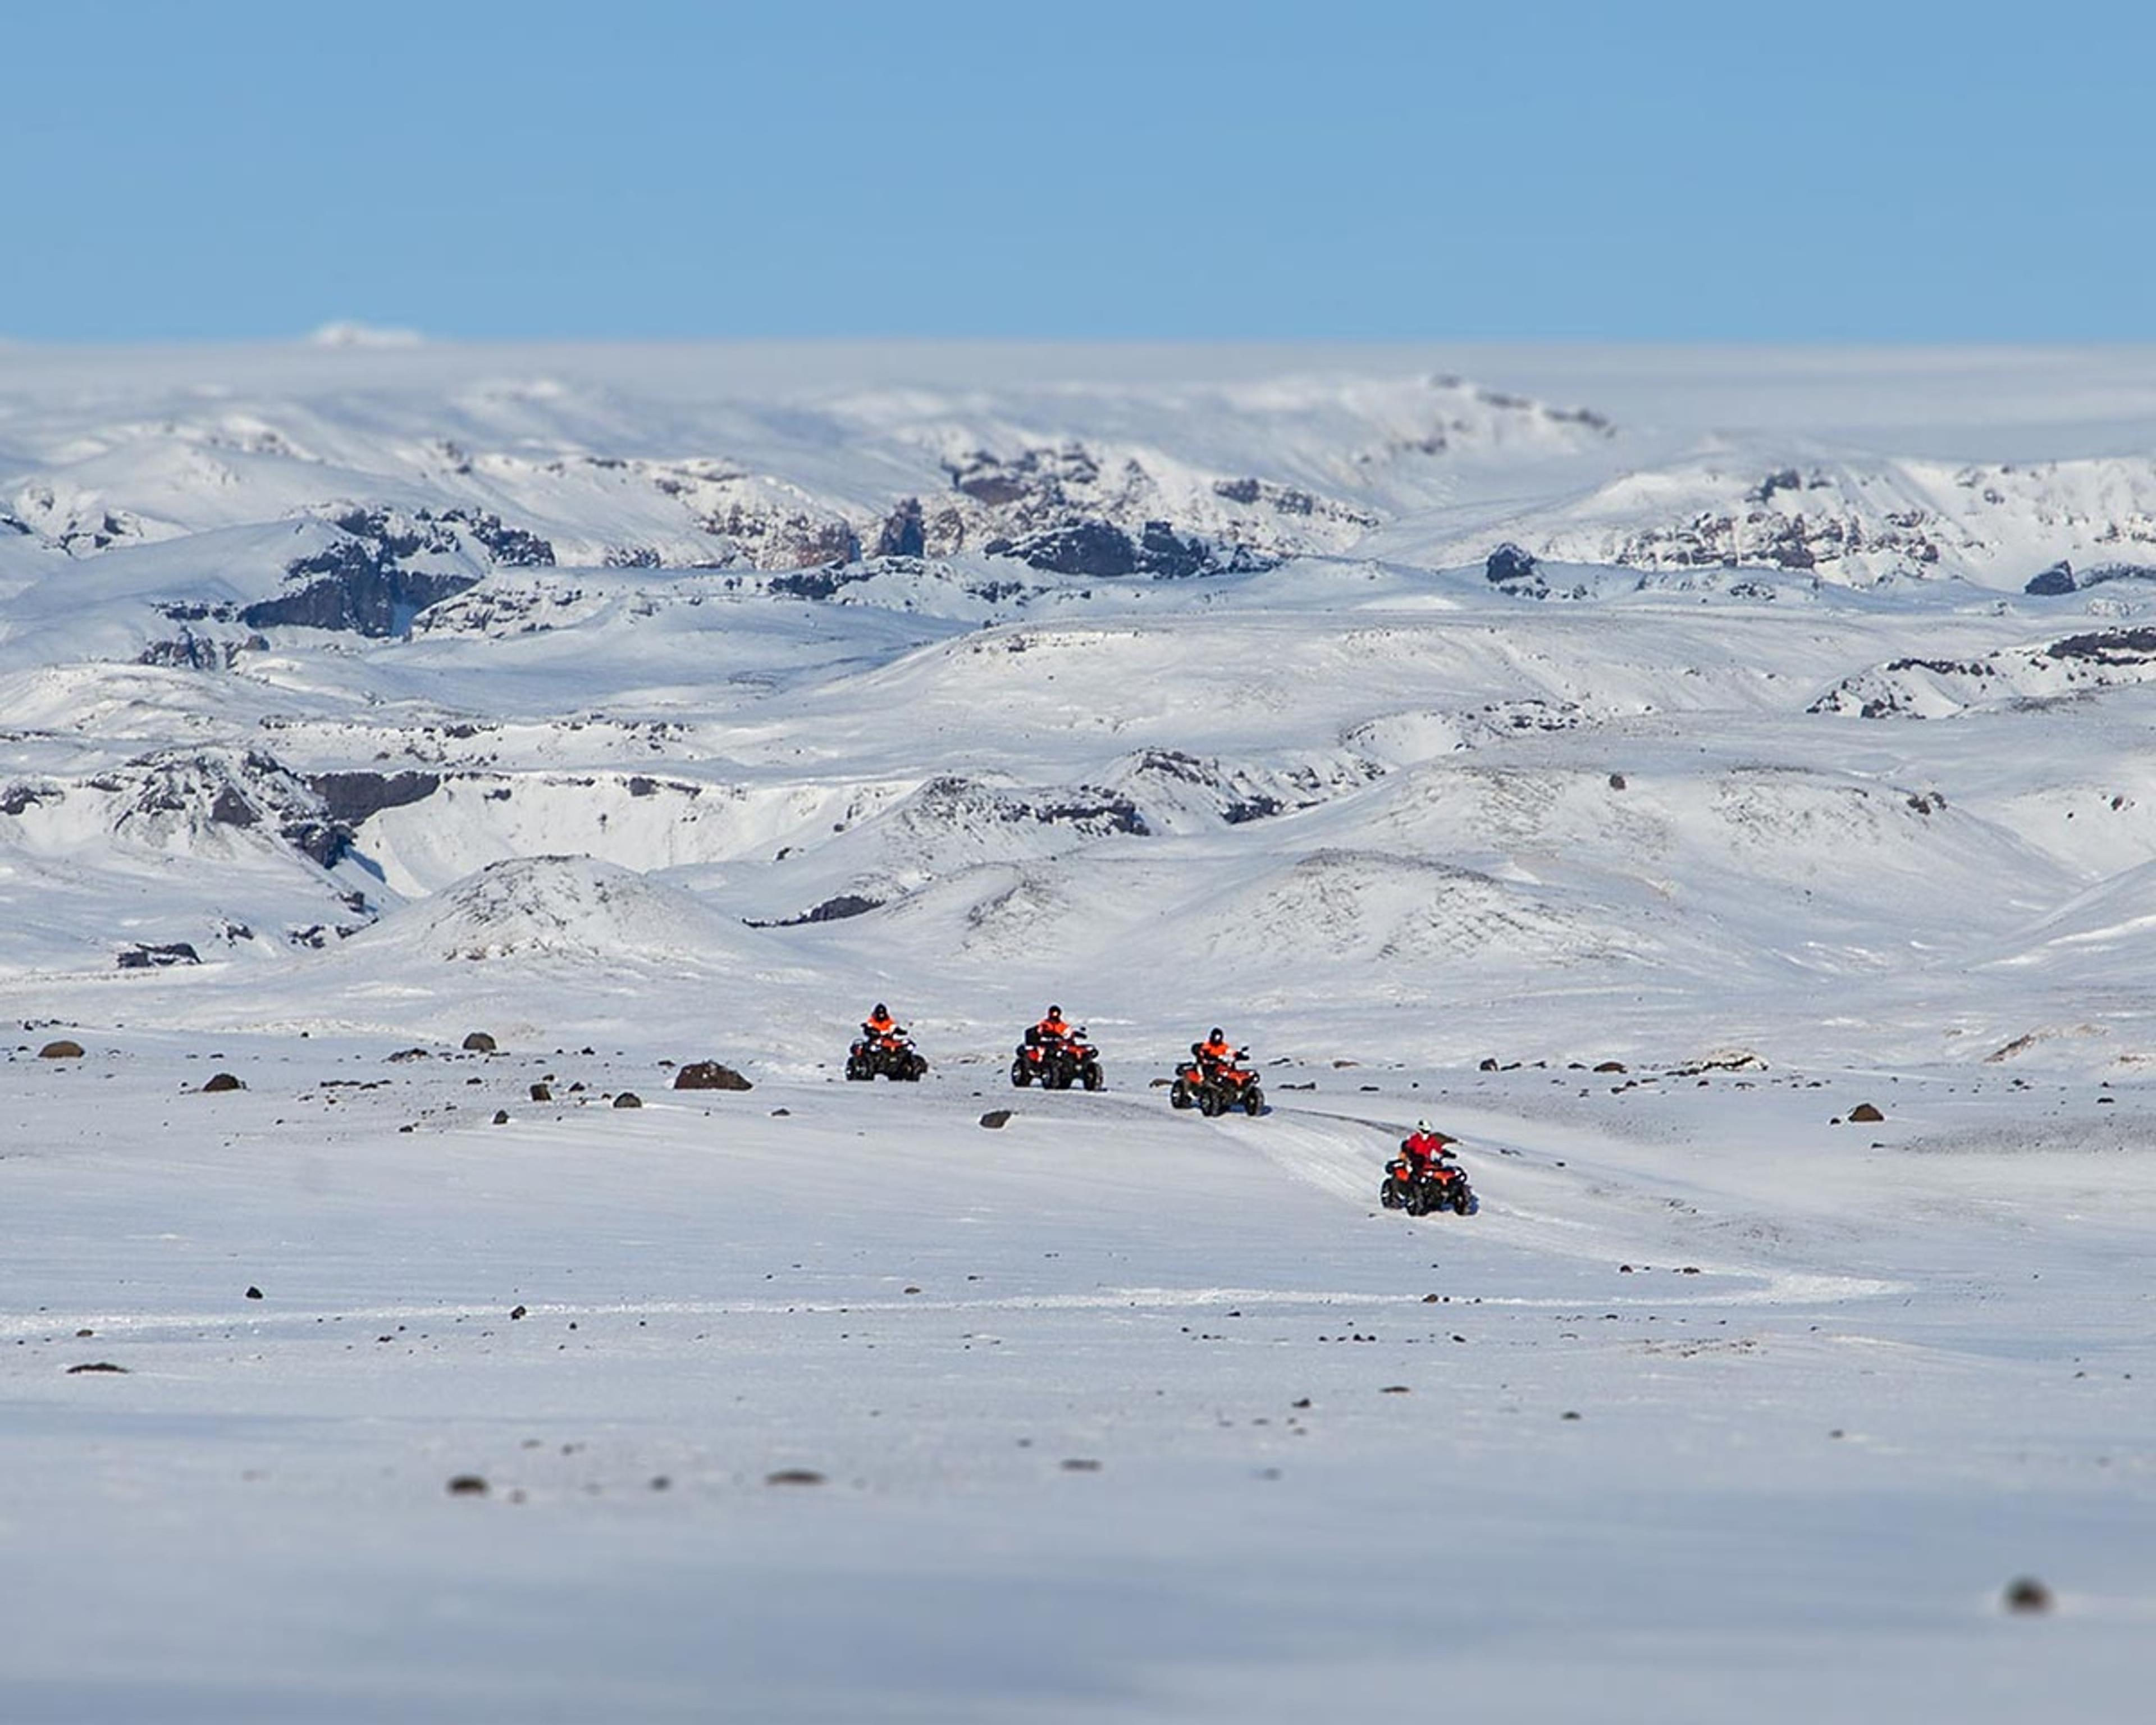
(467,1485)
(794,1477)
(479,1042)
(353,594)
(542,1093)
(2116,646)
(220,1081)
(1105,552)
(96,1365)
(501,1117)
(835,909)
(1092,548)
(1610,1066)
(1511,563)
(902,534)
(189,651)
(709,1074)
(506,547)
(1088,810)
(818,584)
(1866,1112)
(2059,579)
(2026,1594)
(628,1098)
(148,957)
(253,1292)
(353,797)
(996,1119)
(63,1049)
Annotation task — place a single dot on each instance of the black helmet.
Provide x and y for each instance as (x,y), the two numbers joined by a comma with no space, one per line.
(1055,1012)
(881,1011)
(1216,1035)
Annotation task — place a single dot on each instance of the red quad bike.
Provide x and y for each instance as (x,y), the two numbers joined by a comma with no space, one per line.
(1214,1088)
(1057,1062)
(893,1057)
(1438,1183)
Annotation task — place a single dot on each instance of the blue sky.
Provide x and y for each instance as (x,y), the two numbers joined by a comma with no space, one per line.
(1815,172)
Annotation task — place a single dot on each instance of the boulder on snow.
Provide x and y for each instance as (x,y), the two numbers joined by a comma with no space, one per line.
(479,1042)
(221,1082)
(63,1049)
(996,1119)
(2059,579)
(143,957)
(1865,1112)
(628,1098)
(2025,1593)
(1511,563)
(709,1074)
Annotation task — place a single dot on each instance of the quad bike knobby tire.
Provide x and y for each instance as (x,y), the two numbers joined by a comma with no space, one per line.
(1179,1095)
(1091,1078)
(1254,1101)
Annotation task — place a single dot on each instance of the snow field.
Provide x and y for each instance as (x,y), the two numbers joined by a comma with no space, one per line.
(1054,1380)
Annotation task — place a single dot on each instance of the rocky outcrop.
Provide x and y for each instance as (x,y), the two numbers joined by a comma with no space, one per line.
(1088,810)
(1929,688)
(144,957)
(382,567)
(1763,537)
(1097,549)
(188,651)
(2062,578)
(174,797)
(354,798)
(903,533)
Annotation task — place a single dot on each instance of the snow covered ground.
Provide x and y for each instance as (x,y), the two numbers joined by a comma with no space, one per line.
(1756,784)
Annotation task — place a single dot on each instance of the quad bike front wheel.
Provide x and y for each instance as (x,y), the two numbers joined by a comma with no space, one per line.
(1091,1078)
(1179,1095)
(1020,1076)
(1254,1101)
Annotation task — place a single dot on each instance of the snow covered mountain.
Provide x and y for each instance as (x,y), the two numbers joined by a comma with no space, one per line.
(290,642)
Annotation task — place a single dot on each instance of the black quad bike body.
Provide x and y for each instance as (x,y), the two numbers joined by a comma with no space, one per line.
(1217,1087)
(1435,1184)
(1057,1063)
(892,1057)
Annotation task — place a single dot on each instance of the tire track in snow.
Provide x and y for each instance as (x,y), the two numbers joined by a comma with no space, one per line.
(1769,1290)
(1336,1161)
